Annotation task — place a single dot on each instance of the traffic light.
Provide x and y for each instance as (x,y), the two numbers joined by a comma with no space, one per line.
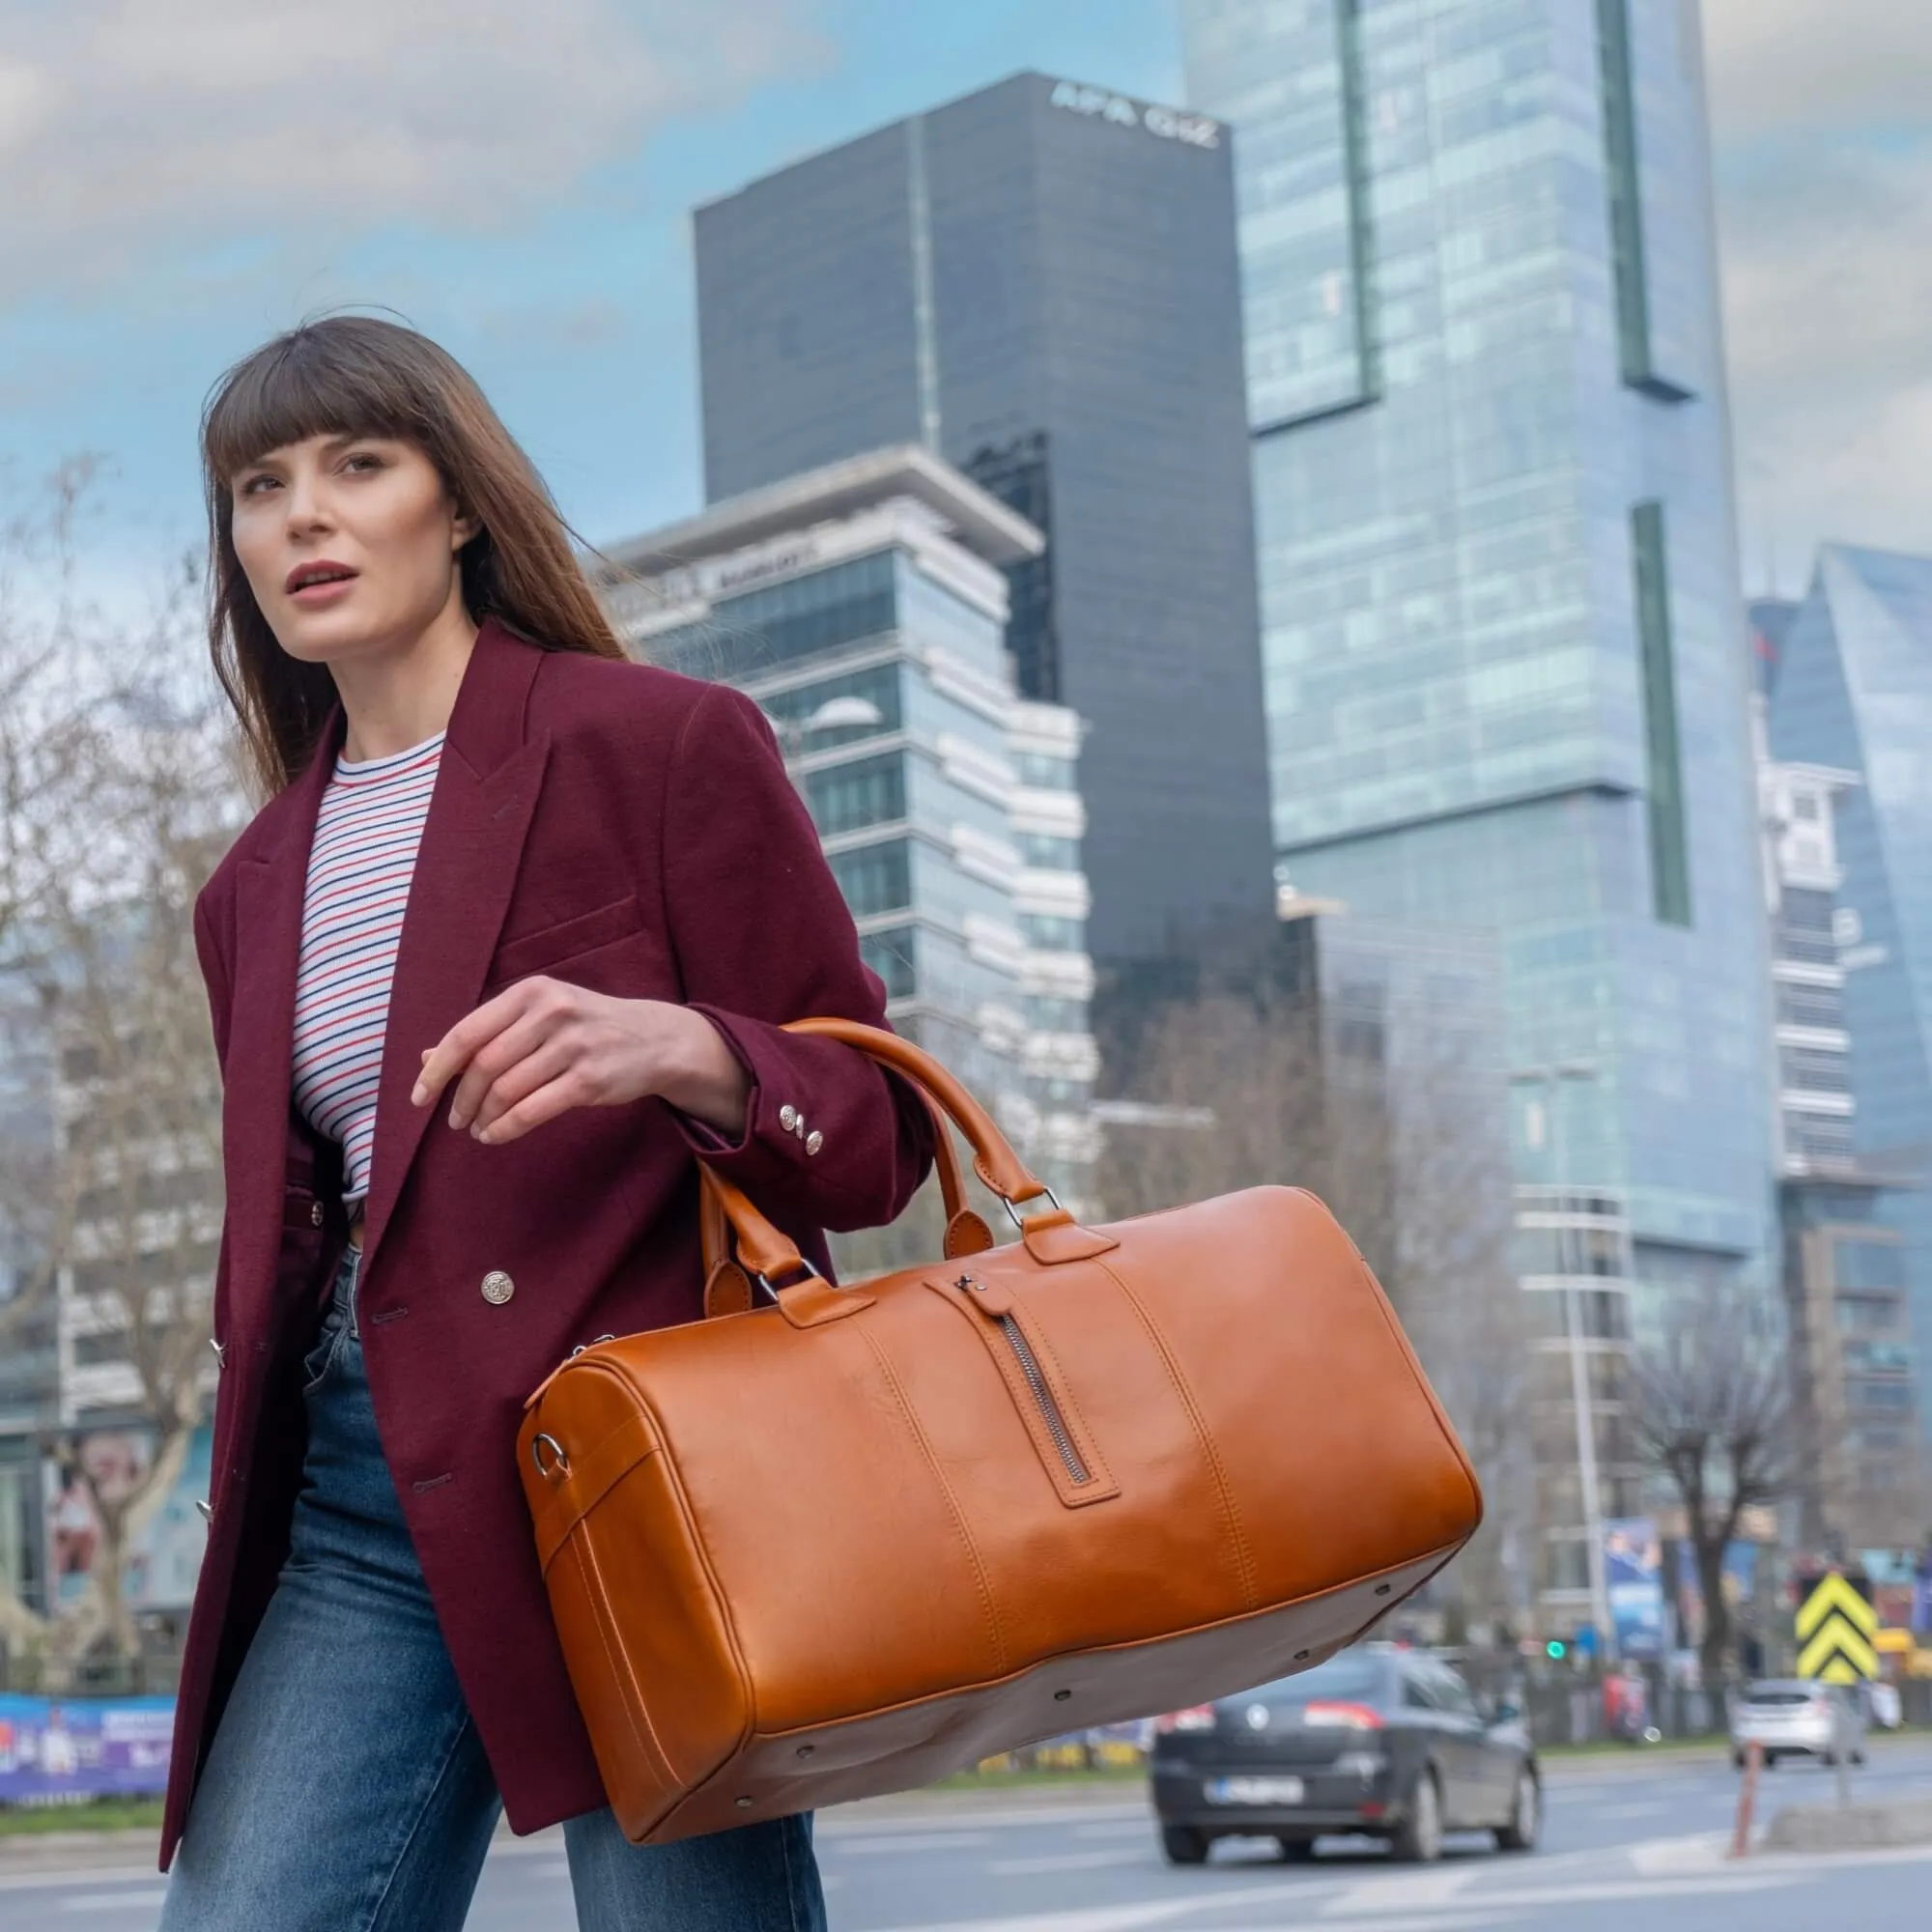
(1555,1650)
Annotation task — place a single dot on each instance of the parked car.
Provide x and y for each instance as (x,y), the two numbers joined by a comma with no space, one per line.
(1377,1739)
(1797,1717)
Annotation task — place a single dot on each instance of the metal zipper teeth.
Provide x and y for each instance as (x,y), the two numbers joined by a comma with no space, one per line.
(1042,1395)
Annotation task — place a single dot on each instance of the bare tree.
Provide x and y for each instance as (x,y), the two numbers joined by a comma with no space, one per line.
(1241,1087)
(118,791)
(1709,1402)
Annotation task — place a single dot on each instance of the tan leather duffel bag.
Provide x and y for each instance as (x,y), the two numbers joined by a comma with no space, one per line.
(845,1543)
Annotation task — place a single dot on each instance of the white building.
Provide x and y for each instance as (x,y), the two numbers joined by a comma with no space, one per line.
(863,606)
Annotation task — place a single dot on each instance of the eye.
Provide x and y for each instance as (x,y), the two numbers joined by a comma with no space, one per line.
(362,462)
(253,486)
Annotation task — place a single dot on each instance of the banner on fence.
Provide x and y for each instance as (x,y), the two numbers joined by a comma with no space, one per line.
(52,1749)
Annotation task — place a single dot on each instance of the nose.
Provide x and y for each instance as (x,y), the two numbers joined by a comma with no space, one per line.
(304,505)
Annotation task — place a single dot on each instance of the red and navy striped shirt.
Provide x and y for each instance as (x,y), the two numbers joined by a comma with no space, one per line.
(366,835)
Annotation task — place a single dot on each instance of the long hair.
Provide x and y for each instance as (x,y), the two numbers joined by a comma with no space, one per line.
(353,374)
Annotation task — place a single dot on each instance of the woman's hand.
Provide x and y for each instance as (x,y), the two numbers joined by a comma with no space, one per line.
(543,1046)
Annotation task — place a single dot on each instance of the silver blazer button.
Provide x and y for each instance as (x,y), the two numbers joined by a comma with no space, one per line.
(788,1118)
(498,1287)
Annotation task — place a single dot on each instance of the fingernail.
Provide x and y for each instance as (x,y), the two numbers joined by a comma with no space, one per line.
(456,1120)
(417,1096)
(482,1134)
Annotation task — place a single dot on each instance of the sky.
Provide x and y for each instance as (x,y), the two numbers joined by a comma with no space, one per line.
(180,178)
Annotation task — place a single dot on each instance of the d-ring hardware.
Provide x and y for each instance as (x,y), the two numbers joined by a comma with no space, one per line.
(1014,1214)
(557,1449)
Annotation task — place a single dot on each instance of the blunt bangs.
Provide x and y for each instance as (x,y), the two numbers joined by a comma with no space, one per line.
(310,382)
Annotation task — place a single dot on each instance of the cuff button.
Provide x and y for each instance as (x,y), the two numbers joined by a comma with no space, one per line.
(788,1118)
(813,1141)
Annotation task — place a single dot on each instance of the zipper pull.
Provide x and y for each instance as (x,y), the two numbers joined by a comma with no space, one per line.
(992,1298)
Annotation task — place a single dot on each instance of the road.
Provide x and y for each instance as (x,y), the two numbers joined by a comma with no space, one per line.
(1629,1842)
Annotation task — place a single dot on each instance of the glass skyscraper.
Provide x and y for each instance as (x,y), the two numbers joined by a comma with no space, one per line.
(1850,687)
(1502,630)
(1502,627)
(1039,283)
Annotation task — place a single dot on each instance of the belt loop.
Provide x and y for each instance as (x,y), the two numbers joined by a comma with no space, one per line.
(354,1257)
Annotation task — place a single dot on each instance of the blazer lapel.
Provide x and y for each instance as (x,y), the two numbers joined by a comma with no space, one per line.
(487,785)
(255,1103)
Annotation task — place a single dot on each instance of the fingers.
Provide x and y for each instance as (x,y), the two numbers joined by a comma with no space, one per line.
(474,1034)
(547,1064)
(451,1054)
(498,1058)
(569,1089)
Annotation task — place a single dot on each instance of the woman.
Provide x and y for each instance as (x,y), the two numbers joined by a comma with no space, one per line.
(507,949)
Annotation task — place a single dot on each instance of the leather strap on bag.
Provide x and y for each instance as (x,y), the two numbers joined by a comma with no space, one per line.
(761,1250)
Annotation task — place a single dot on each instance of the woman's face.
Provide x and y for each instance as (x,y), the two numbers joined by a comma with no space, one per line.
(349,543)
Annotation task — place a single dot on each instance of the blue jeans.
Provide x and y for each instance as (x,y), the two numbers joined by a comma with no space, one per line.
(347,1789)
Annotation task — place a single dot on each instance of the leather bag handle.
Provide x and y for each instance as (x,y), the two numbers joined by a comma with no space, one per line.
(724,1211)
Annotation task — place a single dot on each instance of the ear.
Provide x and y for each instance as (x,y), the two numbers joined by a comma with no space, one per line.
(464,528)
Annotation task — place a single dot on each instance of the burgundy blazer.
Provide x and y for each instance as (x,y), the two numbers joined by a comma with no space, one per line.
(634,831)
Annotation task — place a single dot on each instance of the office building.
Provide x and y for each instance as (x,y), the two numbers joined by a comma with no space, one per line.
(1853,1365)
(1500,614)
(1852,690)
(1039,282)
(863,605)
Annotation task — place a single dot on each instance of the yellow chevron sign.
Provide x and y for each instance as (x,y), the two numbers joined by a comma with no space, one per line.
(1835,1632)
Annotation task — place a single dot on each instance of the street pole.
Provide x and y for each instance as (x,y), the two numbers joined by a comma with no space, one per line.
(1581,1404)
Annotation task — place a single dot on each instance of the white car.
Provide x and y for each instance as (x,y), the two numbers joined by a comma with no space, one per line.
(1797,1717)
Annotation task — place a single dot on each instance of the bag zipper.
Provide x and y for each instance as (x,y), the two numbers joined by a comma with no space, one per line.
(1077,1470)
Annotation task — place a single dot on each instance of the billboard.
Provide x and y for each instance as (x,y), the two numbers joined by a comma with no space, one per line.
(53,1748)
(1633,1581)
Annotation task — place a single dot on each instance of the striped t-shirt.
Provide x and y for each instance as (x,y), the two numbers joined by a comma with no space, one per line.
(366,835)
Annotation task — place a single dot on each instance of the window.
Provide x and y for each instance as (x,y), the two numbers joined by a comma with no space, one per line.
(1870,1394)
(1811,1006)
(1019,475)
(1877,1357)
(1048,773)
(892,955)
(794,710)
(871,791)
(875,878)
(1857,1264)
(1670,856)
(1052,933)
(1626,204)
(1866,1313)
(1815,1070)
(1048,853)
(1805,805)
(816,612)
(1051,1015)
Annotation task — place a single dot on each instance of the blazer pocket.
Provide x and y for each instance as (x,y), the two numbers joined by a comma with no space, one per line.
(528,953)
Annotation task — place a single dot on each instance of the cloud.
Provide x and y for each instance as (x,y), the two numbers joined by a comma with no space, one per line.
(135,130)
(1807,64)
(1824,170)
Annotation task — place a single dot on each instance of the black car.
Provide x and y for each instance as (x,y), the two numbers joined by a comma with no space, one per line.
(1379,1739)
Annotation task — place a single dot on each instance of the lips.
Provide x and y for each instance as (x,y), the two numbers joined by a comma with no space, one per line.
(323,570)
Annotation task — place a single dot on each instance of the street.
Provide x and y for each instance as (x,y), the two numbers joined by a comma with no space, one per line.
(1624,1838)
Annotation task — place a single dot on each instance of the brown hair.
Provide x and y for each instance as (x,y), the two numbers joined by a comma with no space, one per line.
(355,375)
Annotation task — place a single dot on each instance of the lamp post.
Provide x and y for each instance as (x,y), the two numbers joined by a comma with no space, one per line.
(1550,1077)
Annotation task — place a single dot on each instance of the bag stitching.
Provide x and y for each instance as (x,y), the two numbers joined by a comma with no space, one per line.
(620,1666)
(1244,1559)
(946,1489)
